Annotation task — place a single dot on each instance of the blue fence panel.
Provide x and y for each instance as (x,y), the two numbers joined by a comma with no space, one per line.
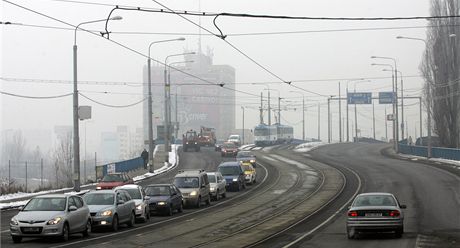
(413,150)
(436,152)
(121,166)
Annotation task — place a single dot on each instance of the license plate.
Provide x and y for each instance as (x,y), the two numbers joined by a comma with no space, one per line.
(31,229)
(373,215)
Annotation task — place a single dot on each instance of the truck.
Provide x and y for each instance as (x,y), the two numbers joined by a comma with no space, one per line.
(190,140)
(207,136)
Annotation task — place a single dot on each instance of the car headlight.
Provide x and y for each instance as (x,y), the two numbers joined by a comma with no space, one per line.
(107,213)
(139,207)
(212,188)
(193,193)
(196,143)
(161,203)
(14,222)
(54,221)
(252,161)
(235,179)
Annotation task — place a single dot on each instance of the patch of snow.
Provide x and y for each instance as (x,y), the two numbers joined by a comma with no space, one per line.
(306,147)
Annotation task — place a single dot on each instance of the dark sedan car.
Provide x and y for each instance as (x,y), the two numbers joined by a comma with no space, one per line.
(228,149)
(164,198)
(375,212)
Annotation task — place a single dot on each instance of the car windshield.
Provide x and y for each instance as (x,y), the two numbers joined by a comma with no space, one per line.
(186,182)
(212,178)
(99,199)
(243,155)
(46,204)
(157,191)
(234,137)
(247,167)
(374,200)
(112,178)
(229,170)
(229,145)
(134,193)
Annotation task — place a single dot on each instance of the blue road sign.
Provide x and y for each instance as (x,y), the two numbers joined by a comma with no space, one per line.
(386,97)
(359,98)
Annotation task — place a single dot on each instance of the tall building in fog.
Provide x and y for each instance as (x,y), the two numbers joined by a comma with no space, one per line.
(199,103)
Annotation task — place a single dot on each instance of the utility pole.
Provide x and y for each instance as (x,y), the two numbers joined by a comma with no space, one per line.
(340,116)
(41,173)
(420,106)
(269,111)
(242,108)
(356,124)
(373,117)
(279,110)
(26,177)
(261,108)
(348,129)
(386,125)
(319,121)
(328,121)
(303,118)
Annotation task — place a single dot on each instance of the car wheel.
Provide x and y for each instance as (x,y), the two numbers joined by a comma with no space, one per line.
(169,212)
(132,220)
(198,203)
(87,229)
(147,215)
(208,201)
(16,239)
(253,182)
(224,195)
(217,195)
(181,208)
(65,232)
(351,234)
(115,223)
(244,185)
(399,232)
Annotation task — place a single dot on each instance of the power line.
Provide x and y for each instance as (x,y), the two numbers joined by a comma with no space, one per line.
(126,47)
(35,97)
(112,106)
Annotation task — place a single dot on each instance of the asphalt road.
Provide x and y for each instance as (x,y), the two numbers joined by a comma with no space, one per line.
(432,196)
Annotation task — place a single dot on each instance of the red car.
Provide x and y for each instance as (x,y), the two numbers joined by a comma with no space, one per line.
(229,149)
(113,180)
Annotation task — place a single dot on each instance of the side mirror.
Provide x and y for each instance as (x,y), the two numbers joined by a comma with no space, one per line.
(174,193)
(120,202)
(146,198)
(403,206)
(72,208)
(203,186)
(20,208)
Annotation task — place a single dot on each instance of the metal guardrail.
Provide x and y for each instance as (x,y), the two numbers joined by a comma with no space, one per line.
(436,152)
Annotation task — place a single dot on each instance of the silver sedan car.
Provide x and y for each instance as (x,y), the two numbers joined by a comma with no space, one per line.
(375,212)
(140,199)
(51,215)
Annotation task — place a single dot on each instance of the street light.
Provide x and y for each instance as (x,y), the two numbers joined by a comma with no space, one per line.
(355,81)
(395,68)
(428,94)
(76,135)
(150,112)
(303,113)
(242,108)
(167,103)
(402,102)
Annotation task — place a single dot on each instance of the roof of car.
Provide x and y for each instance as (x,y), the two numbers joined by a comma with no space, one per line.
(230,163)
(102,191)
(158,185)
(182,173)
(128,186)
(213,173)
(52,195)
(375,193)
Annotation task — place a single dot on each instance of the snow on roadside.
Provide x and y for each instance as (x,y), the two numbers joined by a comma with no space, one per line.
(173,161)
(454,163)
(306,147)
(246,147)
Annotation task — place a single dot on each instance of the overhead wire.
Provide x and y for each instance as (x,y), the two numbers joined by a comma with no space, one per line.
(35,97)
(112,106)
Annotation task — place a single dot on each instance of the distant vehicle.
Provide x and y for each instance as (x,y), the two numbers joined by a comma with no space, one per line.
(194,186)
(140,199)
(265,135)
(235,138)
(51,215)
(110,208)
(113,180)
(375,212)
(233,173)
(228,149)
(164,198)
(246,156)
(190,141)
(250,173)
(217,185)
(207,136)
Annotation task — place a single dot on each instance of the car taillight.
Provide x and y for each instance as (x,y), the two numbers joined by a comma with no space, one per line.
(395,213)
(352,214)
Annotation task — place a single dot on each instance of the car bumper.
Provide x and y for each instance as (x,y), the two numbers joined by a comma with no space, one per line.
(375,224)
(155,208)
(100,221)
(190,200)
(40,230)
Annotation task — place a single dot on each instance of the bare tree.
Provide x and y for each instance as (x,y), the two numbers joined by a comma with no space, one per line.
(63,156)
(441,72)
